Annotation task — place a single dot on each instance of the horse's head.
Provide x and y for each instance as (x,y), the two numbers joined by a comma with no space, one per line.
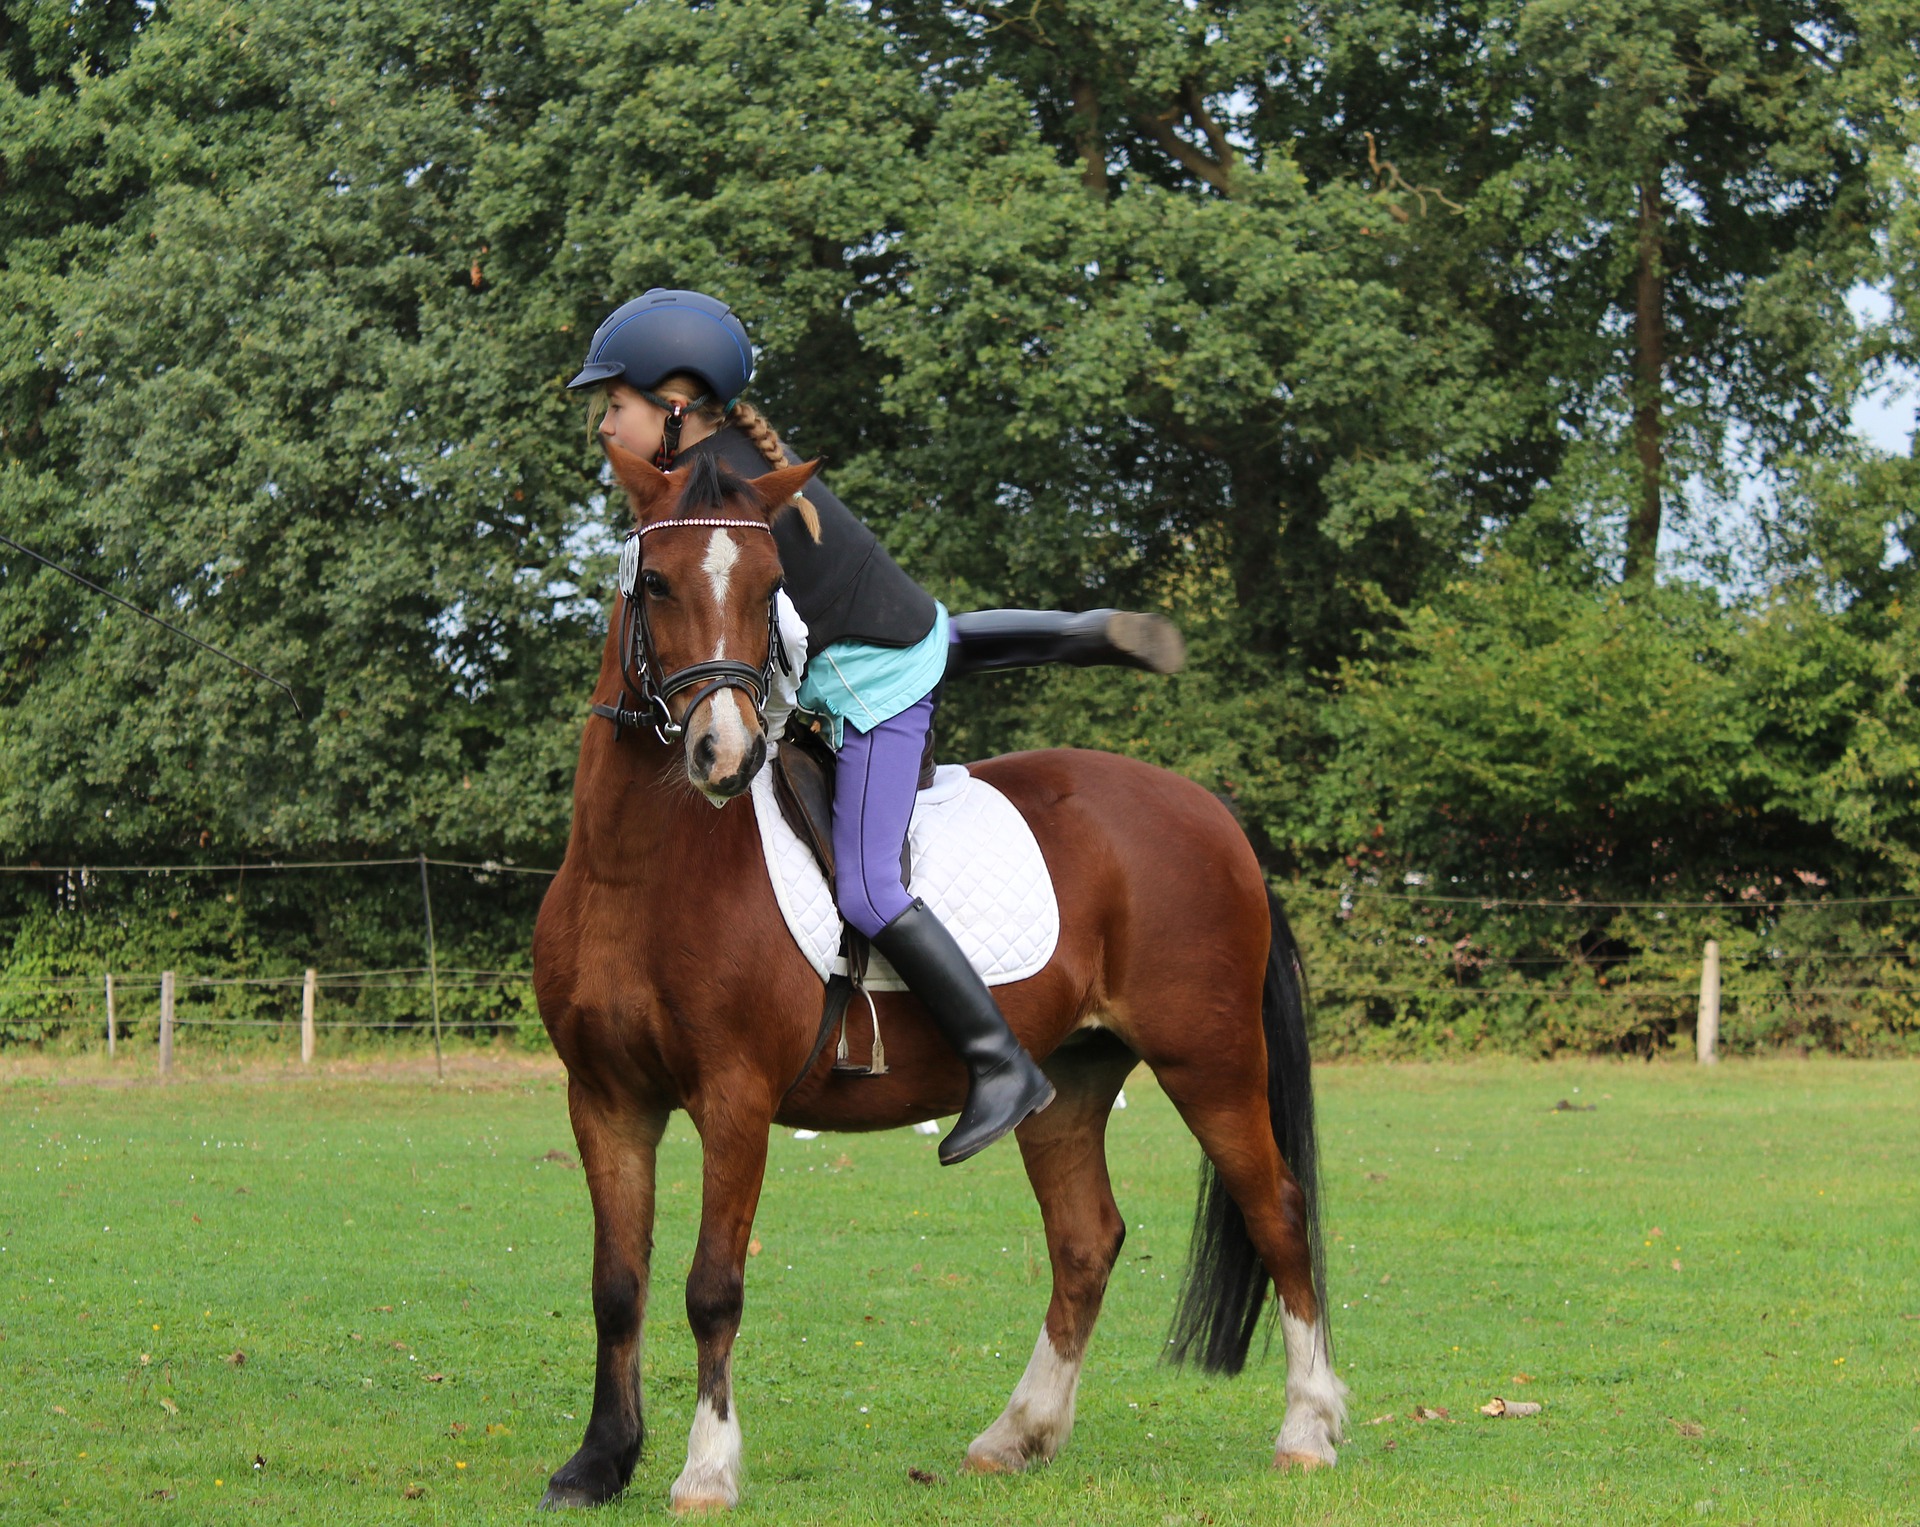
(696,614)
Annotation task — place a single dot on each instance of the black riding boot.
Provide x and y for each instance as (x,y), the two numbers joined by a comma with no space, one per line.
(1006,1084)
(990,639)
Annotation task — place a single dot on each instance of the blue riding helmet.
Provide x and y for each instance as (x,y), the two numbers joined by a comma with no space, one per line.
(645,341)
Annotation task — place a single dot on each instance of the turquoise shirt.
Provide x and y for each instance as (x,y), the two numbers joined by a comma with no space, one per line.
(859,684)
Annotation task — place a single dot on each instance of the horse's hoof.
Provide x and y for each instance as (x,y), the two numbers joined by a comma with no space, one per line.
(688,1505)
(1306,1463)
(575,1486)
(981,1461)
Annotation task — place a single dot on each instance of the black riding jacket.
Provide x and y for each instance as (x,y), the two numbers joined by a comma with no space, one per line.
(846,587)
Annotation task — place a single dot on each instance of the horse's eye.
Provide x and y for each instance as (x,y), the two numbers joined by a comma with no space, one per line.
(654,584)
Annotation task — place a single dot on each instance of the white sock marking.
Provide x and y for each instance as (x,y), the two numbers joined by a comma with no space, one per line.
(712,1474)
(1039,1417)
(1316,1399)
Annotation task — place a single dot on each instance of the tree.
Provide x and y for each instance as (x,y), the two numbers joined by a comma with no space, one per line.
(1695,203)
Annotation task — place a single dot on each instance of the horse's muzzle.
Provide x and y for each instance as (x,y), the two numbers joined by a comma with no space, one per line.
(703,758)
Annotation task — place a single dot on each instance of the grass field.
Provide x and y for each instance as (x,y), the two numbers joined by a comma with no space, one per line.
(1711,1281)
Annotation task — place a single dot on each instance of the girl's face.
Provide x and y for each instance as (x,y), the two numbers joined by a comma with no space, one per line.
(631,422)
(635,425)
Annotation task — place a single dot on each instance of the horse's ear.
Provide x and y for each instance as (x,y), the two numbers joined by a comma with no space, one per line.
(647,486)
(776,488)
(779,491)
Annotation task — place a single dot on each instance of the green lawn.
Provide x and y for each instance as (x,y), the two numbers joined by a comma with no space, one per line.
(1711,1280)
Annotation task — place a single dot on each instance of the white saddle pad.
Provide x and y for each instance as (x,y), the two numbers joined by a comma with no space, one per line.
(976,864)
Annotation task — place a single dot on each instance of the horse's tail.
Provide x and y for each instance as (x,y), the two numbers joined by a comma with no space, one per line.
(1226,1280)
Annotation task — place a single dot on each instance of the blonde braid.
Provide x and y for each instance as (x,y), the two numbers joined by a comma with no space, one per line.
(753,424)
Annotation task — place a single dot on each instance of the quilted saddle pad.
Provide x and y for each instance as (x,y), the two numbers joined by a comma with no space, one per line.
(976,864)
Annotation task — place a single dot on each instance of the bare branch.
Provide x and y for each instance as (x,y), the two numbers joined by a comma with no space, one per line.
(1806,46)
(1027,28)
(1388,177)
(1160,128)
(1203,119)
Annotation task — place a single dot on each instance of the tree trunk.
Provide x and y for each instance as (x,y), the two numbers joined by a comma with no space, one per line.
(1087,137)
(1650,359)
(1253,526)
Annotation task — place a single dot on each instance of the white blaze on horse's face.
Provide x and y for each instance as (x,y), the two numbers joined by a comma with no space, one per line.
(724,743)
(718,562)
(724,591)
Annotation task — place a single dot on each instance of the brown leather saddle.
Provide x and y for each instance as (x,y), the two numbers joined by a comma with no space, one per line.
(803,773)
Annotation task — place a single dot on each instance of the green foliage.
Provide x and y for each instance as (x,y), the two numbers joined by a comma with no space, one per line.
(1309,328)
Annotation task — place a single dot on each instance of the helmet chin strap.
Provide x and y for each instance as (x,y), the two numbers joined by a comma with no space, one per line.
(677,410)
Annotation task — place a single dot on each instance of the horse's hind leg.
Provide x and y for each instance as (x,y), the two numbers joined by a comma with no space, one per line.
(617,1145)
(1223,1098)
(1064,1148)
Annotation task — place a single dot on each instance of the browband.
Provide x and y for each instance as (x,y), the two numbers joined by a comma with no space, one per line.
(709,525)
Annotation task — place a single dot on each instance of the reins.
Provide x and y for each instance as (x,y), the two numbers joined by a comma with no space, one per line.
(640,663)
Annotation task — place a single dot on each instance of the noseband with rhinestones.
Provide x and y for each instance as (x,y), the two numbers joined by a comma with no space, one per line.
(640,663)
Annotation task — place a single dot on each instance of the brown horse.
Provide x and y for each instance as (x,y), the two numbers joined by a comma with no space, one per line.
(667,980)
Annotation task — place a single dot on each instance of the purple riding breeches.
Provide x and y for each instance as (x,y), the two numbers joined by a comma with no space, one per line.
(876,778)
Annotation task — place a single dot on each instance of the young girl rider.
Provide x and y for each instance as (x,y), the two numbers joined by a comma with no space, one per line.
(669,367)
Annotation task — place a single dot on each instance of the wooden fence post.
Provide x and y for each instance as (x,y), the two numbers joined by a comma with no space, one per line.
(166,1021)
(306,1018)
(113,1033)
(1706,1035)
(433,969)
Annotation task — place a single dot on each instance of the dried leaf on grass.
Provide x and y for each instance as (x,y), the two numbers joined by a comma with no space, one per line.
(1380,1420)
(236,1359)
(1686,1428)
(1499,1407)
(413,1492)
(753,1247)
(561,1157)
(168,1406)
(924,1477)
(1429,1413)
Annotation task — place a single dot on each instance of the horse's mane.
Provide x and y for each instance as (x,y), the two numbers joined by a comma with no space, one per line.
(709,484)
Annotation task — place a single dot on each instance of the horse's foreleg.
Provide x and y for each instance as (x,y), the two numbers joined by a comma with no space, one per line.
(617,1146)
(1064,1149)
(735,1161)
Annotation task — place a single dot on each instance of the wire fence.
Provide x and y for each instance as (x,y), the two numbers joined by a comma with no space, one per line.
(1580,970)
(256,866)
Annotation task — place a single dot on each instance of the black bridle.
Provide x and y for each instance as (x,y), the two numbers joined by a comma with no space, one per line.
(640,663)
